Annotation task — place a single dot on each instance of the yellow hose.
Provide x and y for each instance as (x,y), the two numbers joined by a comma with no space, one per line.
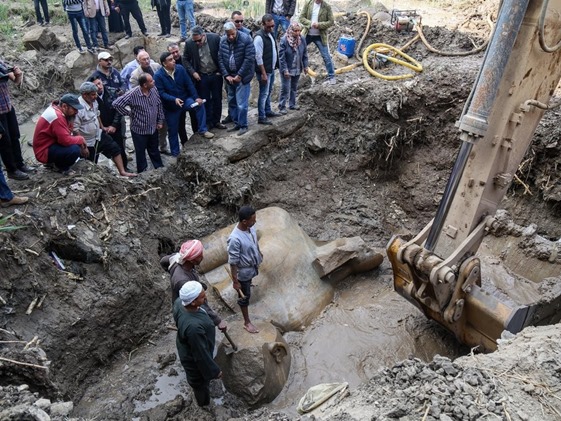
(412,64)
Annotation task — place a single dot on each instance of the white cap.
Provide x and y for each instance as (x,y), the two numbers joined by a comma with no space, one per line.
(103,55)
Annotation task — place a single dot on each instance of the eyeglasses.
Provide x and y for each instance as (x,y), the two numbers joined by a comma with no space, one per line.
(199,41)
(239,21)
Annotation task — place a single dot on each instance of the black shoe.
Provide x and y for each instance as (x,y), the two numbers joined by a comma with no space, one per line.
(220,126)
(18,175)
(145,33)
(165,152)
(273,114)
(127,36)
(233,129)
(27,169)
(161,34)
(227,120)
(265,121)
(182,39)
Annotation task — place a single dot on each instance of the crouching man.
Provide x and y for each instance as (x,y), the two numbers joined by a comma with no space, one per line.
(53,141)
(88,125)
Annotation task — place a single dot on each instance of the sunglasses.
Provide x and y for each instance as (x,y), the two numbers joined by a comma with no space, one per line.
(239,21)
(198,41)
(107,59)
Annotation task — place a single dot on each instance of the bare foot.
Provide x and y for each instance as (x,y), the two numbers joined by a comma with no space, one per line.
(128,174)
(250,328)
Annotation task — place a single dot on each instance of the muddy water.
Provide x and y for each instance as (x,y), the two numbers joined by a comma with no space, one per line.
(367,327)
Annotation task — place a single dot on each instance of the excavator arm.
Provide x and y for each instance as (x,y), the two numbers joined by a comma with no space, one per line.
(438,270)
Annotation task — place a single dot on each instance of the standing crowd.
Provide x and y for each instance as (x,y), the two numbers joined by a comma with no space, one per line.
(158,95)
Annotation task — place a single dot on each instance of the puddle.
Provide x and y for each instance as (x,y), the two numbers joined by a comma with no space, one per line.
(166,389)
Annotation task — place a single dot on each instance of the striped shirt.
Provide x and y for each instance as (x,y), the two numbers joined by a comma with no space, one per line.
(5,102)
(145,111)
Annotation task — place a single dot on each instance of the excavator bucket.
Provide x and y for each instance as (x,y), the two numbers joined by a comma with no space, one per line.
(443,270)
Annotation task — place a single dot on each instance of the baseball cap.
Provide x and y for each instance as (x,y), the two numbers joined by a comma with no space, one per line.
(104,55)
(72,100)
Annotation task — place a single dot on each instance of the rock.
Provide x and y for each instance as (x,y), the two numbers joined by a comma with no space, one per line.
(81,66)
(259,369)
(42,403)
(30,55)
(23,387)
(61,409)
(38,414)
(39,38)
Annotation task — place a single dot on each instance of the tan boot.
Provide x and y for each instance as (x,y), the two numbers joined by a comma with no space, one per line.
(16,200)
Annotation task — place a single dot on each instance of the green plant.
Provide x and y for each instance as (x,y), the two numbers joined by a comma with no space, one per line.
(250,8)
(6,22)
(7,228)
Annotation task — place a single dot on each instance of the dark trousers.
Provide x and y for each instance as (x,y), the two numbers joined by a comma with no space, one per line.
(146,143)
(106,146)
(133,9)
(197,381)
(120,141)
(97,24)
(165,18)
(63,156)
(78,19)
(10,148)
(183,121)
(210,88)
(45,8)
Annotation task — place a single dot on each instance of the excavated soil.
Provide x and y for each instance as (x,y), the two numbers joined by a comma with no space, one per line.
(365,158)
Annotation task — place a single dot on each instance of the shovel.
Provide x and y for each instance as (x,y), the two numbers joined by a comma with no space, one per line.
(234,349)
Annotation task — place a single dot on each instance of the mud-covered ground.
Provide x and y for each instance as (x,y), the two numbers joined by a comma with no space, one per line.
(365,158)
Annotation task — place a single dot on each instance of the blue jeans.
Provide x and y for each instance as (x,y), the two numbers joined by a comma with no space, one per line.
(186,11)
(146,143)
(264,100)
(324,51)
(5,192)
(173,121)
(210,88)
(63,156)
(282,21)
(240,93)
(78,18)
(97,24)
(288,91)
(45,8)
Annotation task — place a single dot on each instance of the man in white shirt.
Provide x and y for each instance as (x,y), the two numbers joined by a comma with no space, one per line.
(88,125)
(266,61)
(316,18)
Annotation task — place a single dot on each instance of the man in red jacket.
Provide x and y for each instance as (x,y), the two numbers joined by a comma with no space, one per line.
(53,141)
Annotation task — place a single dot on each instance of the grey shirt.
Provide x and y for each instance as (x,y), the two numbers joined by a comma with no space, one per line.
(243,252)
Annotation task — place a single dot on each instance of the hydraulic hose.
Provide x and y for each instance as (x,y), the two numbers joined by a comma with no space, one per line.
(410,64)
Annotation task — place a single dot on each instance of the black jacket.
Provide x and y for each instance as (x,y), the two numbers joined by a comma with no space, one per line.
(191,59)
(288,7)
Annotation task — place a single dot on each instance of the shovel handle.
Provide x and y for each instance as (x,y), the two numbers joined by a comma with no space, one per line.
(234,346)
(240,293)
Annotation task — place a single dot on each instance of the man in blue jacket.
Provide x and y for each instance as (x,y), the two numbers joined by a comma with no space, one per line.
(236,59)
(178,93)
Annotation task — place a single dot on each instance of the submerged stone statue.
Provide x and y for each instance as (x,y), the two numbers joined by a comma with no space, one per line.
(296,281)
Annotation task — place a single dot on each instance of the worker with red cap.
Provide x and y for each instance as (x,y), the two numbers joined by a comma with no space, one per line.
(181,267)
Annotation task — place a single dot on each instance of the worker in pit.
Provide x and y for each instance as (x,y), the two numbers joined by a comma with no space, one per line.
(195,340)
